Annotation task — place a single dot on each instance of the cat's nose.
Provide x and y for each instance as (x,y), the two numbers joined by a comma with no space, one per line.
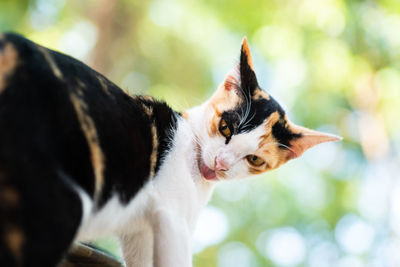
(221,164)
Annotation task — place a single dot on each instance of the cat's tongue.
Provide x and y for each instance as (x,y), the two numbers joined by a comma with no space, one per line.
(208,173)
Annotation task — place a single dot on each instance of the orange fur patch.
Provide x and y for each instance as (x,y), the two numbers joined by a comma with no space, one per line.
(259,94)
(185,115)
(268,148)
(14,239)
(50,61)
(221,174)
(103,84)
(89,130)
(148,110)
(9,196)
(255,171)
(147,98)
(221,100)
(269,122)
(214,123)
(81,84)
(153,156)
(8,62)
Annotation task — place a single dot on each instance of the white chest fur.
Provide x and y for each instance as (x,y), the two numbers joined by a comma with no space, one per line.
(155,227)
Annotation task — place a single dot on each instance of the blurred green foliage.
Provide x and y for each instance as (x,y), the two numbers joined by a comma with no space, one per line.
(333,64)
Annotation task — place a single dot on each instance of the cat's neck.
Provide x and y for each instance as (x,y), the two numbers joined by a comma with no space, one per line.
(193,121)
(181,163)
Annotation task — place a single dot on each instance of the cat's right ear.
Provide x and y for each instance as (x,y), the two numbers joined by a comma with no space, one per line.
(243,76)
(306,139)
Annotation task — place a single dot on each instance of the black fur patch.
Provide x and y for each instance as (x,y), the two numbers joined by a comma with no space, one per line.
(41,137)
(248,79)
(282,133)
(165,120)
(2,45)
(258,111)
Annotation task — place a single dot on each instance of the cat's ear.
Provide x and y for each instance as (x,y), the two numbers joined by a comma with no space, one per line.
(248,79)
(243,75)
(307,139)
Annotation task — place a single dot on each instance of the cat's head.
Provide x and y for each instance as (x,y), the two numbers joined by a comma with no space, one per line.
(241,130)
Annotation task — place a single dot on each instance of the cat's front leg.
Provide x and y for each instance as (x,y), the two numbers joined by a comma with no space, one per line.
(137,247)
(172,240)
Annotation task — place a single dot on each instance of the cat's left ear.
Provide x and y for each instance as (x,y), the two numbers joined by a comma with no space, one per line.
(248,79)
(243,75)
(306,139)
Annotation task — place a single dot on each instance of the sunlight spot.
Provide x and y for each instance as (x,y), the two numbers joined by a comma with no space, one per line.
(326,15)
(212,228)
(331,20)
(287,74)
(374,137)
(236,254)
(79,40)
(277,41)
(284,246)
(165,13)
(332,56)
(324,254)
(309,189)
(354,234)
(233,191)
(375,191)
(394,219)
(352,130)
(350,261)
(136,83)
(323,156)
(381,28)
(387,81)
(388,252)
(44,13)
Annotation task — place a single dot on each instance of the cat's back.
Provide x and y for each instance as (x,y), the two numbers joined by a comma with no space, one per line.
(57,113)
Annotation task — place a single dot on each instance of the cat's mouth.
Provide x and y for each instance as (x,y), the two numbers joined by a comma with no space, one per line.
(206,172)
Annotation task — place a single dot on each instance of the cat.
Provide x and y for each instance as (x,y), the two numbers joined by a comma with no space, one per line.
(80,158)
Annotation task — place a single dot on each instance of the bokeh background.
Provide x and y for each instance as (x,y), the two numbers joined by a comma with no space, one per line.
(333,64)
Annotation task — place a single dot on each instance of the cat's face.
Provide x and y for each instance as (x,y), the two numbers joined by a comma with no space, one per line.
(243,131)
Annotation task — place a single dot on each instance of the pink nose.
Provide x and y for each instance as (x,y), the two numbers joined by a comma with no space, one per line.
(221,165)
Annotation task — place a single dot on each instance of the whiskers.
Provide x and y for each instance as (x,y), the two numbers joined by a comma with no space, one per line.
(248,121)
(200,142)
(197,140)
(246,111)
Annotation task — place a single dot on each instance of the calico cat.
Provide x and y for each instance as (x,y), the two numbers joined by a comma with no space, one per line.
(81,159)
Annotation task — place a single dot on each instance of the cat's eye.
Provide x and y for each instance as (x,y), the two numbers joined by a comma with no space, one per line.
(254,160)
(224,128)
